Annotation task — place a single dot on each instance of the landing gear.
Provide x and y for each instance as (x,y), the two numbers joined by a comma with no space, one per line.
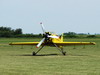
(60,49)
(34,53)
(64,53)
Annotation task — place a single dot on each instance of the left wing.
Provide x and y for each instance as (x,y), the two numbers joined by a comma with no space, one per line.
(24,43)
(74,43)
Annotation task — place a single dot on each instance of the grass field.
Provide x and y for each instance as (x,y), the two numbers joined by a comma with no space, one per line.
(80,61)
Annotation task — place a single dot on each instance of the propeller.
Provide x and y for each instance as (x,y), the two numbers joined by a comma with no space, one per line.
(43,29)
(53,37)
(45,35)
(40,43)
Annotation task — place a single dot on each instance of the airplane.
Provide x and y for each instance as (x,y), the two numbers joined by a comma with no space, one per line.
(52,40)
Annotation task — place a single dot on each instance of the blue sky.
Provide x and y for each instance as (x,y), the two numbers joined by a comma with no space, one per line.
(80,16)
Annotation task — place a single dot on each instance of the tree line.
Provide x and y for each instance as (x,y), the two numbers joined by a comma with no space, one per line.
(80,35)
(8,32)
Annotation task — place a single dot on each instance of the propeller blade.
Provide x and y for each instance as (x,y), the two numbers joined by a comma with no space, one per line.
(40,43)
(42,26)
(53,37)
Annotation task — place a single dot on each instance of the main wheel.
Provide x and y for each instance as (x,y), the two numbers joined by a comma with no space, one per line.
(33,53)
(64,53)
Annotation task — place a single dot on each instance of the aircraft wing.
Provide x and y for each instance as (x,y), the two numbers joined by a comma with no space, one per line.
(57,43)
(74,43)
(24,43)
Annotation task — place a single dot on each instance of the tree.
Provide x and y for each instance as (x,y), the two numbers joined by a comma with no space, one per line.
(18,31)
(70,35)
(5,32)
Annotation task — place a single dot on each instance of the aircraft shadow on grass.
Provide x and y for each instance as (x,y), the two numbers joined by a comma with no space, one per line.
(39,55)
(51,55)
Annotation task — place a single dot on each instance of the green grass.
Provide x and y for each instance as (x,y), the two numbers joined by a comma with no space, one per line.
(79,61)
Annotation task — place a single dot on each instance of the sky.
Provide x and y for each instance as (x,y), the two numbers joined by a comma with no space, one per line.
(80,16)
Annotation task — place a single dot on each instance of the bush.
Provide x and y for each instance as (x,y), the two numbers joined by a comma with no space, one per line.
(91,36)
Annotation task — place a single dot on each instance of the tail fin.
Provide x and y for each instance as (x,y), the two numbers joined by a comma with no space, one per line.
(62,37)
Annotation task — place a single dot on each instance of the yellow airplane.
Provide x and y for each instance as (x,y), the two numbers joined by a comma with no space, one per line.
(51,39)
